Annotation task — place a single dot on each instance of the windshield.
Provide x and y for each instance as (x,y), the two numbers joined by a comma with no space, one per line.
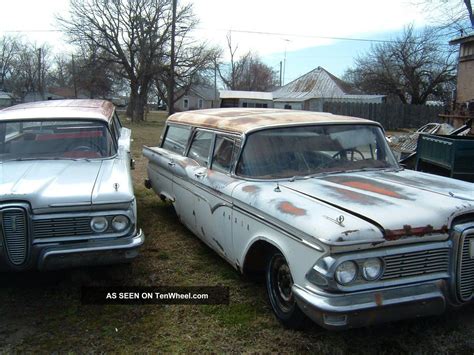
(58,139)
(308,150)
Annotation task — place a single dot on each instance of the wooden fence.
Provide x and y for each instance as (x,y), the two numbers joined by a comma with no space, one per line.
(391,116)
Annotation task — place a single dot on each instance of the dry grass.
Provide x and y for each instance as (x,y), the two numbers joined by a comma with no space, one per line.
(41,312)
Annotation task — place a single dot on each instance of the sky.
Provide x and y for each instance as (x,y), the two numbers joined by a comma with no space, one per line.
(302,34)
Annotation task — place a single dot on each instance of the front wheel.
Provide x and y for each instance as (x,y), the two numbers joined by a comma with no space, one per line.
(279,282)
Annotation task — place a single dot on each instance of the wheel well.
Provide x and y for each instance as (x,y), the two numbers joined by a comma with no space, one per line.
(256,258)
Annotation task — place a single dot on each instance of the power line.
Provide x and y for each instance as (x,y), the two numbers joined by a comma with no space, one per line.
(28,31)
(280,34)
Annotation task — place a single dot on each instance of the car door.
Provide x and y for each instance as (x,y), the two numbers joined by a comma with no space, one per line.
(213,203)
(162,166)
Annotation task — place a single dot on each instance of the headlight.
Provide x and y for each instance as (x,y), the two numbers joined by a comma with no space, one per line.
(346,272)
(372,269)
(99,224)
(120,223)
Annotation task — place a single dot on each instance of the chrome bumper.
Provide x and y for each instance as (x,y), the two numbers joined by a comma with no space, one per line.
(362,309)
(93,252)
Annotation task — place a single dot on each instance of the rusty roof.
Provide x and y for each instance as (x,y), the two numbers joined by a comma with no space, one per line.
(60,109)
(243,120)
(315,84)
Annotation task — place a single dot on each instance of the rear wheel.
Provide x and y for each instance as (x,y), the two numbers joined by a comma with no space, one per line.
(279,283)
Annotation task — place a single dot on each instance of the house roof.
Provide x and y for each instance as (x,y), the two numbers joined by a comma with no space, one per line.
(244,120)
(249,95)
(463,39)
(318,83)
(5,95)
(205,92)
(60,109)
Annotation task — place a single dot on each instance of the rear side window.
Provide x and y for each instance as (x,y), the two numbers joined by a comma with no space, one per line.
(176,139)
(222,157)
(200,147)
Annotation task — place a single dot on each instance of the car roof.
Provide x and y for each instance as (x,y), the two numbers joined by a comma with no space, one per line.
(60,109)
(244,120)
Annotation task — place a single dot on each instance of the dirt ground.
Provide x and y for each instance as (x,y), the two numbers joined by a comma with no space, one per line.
(42,312)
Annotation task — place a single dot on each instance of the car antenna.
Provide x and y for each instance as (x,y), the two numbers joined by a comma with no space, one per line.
(277,188)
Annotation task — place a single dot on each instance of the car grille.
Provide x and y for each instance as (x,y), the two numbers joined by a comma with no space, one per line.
(466,268)
(15,230)
(416,263)
(62,227)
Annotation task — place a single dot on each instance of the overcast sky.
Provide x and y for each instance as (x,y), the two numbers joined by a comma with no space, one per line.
(268,27)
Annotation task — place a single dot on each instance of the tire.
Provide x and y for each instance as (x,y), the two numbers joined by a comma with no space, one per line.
(279,281)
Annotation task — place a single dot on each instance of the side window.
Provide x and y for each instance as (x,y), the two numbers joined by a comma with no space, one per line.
(176,139)
(200,147)
(223,153)
(117,124)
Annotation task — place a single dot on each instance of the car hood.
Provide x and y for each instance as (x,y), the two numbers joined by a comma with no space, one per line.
(403,203)
(361,207)
(57,183)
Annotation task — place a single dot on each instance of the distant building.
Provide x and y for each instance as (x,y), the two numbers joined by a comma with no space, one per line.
(465,82)
(310,91)
(36,96)
(463,106)
(6,99)
(233,98)
(196,98)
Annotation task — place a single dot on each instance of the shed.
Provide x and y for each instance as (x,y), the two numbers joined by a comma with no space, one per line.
(310,91)
(254,99)
(6,99)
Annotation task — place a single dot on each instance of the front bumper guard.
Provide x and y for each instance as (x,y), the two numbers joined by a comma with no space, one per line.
(363,309)
(101,252)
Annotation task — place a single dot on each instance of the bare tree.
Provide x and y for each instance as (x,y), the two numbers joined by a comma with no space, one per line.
(414,67)
(249,73)
(193,63)
(449,14)
(8,52)
(229,77)
(31,68)
(131,33)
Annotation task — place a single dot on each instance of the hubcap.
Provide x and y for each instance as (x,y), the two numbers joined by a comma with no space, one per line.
(282,283)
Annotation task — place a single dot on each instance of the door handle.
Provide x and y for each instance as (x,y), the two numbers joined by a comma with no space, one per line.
(171,163)
(199,174)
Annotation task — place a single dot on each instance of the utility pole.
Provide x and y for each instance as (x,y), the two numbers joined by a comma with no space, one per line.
(280,70)
(172,59)
(40,84)
(215,83)
(74,76)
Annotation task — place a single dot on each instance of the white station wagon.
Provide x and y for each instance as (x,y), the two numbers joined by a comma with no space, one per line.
(318,204)
(66,195)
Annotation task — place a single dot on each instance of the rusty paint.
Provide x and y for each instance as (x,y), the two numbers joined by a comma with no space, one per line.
(241,120)
(407,230)
(355,196)
(369,185)
(378,297)
(372,188)
(251,189)
(64,109)
(289,208)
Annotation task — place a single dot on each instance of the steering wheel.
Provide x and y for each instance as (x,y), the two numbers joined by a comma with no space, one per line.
(87,148)
(342,154)
(82,148)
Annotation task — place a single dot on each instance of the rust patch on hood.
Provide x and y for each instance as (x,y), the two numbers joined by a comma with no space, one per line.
(372,188)
(367,185)
(251,189)
(408,231)
(289,208)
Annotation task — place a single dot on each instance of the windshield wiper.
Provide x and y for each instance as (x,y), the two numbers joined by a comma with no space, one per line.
(44,158)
